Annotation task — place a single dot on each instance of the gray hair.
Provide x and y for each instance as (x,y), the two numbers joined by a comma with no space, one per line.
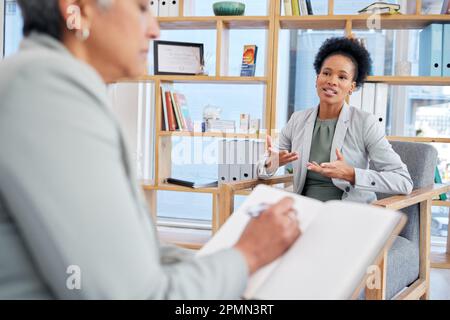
(45,16)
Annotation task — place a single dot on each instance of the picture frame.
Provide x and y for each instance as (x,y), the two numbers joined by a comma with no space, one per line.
(178,58)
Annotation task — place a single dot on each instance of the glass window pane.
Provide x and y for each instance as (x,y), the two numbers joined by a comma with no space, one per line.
(246,98)
(13,27)
(236,48)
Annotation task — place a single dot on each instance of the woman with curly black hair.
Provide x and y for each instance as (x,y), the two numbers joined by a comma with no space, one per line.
(330,145)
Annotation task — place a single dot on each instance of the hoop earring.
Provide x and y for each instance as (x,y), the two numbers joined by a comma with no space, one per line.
(350,93)
(83,34)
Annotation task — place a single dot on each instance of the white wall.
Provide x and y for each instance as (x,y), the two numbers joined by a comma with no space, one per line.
(2,4)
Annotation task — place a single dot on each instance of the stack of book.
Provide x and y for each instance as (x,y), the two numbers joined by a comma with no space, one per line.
(175,112)
(381,8)
(297,7)
(220,126)
(193,183)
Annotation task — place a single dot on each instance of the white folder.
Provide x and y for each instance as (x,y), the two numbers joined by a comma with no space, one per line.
(356,98)
(368,98)
(381,102)
(223,166)
(154,6)
(174,8)
(243,157)
(163,8)
(235,173)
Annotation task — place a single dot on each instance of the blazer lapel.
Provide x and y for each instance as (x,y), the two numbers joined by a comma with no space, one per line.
(306,146)
(341,130)
(338,141)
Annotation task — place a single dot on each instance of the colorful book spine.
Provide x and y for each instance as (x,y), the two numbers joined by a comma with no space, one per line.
(170,114)
(182,104)
(295,8)
(164,120)
(287,7)
(177,113)
(249,61)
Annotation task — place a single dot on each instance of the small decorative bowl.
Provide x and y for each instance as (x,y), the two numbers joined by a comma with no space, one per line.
(229,8)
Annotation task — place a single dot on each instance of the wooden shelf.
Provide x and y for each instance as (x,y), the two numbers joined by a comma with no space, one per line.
(419,139)
(209,134)
(441,203)
(440,260)
(174,187)
(360,22)
(411,80)
(207,23)
(199,79)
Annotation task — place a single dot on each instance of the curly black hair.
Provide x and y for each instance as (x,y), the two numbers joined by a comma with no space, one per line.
(350,48)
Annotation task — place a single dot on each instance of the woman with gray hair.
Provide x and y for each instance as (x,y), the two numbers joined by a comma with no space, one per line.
(73,223)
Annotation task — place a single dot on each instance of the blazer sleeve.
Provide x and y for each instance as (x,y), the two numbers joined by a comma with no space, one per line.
(391,175)
(284,143)
(72,199)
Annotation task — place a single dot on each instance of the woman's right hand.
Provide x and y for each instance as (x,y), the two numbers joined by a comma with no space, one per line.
(278,158)
(269,235)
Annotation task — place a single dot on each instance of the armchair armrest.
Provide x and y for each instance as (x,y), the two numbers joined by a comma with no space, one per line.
(417,196)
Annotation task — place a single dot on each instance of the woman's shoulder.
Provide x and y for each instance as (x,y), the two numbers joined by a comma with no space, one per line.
(303,114)
(362,117)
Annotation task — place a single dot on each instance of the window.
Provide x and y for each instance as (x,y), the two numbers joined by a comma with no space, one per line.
(12,27)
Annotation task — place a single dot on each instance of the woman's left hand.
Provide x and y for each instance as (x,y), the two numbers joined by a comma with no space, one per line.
(338,169)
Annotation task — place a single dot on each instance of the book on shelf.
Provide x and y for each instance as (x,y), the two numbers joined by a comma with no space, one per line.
(176,116)
(255,126)
(287,7)
(212,125)
(381,8)
(297,7)
(194,183)
(170,112)
(248,67)
(244,122)
(446,7)
(340,244)
(180,100)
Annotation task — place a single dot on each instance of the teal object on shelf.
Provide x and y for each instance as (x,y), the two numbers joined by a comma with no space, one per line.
(229,8)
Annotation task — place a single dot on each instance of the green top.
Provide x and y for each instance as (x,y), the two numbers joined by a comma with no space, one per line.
(317,186)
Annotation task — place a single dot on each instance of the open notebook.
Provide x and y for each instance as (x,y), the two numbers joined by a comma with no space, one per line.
(339,241)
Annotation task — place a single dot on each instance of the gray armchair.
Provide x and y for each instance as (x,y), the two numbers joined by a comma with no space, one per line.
(405,268)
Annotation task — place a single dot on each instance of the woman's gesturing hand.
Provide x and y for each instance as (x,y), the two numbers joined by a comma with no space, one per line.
(278,158)
(338,169)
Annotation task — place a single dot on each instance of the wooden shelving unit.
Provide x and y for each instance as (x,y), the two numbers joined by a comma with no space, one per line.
(200,79)
(274,23)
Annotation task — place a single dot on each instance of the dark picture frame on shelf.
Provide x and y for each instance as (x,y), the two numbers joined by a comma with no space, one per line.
(178,58)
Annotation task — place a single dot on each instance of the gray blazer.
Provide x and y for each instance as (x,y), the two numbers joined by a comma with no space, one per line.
(68,196)
(359,137)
